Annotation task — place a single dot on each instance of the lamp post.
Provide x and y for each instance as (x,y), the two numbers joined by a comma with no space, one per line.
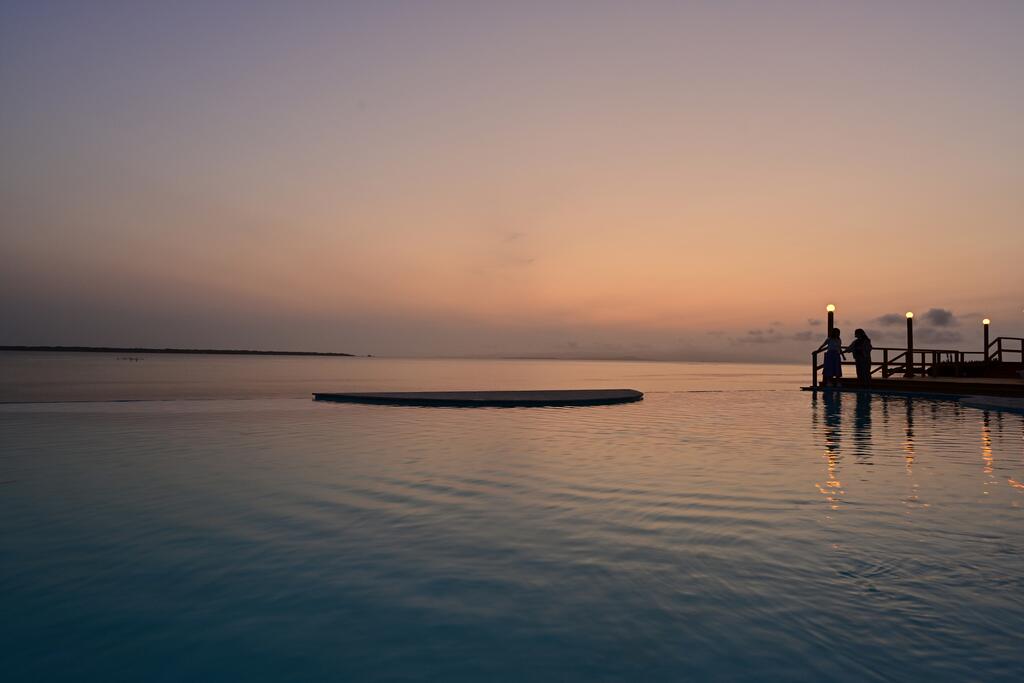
(831,308)
(985,324)
(910,344)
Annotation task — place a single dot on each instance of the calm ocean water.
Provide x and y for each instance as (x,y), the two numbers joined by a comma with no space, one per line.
(222,526)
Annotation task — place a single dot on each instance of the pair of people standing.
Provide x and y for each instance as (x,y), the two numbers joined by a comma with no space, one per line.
(835,354)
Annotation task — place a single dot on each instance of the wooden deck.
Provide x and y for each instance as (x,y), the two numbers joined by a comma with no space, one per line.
(943,386)
(488,399)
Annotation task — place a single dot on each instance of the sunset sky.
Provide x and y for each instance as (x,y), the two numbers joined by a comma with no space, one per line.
(687,180)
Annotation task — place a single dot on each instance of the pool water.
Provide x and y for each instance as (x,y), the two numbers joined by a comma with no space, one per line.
(750,533)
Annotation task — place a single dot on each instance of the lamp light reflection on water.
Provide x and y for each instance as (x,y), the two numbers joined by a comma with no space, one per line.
(832,489)
(986,452)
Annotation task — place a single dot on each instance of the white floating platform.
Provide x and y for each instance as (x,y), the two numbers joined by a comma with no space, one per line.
(491,399)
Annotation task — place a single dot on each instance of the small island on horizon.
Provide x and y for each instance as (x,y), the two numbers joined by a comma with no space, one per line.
(127,349)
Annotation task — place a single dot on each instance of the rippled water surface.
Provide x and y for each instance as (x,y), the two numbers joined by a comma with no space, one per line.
(728,527)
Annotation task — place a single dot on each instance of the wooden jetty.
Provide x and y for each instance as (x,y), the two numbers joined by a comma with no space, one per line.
(936,386)
(996,370)
(488,399)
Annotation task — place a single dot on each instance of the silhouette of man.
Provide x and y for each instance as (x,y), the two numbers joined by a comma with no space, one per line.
(860,347)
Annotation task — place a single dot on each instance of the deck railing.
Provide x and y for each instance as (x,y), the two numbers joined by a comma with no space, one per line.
(1003,346)
(897,360)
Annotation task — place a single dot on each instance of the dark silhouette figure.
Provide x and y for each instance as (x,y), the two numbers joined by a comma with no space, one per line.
(833,358)
(860,347)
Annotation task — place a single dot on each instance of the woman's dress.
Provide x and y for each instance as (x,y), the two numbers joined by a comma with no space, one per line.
(833,361)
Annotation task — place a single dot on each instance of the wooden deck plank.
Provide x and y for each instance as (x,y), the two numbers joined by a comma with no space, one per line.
(944,386)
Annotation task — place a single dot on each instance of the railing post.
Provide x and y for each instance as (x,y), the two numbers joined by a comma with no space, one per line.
(999,348)
(885,363)
(909,364)
(814,370)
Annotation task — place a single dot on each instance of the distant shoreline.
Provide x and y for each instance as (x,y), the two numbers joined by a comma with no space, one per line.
(125,349)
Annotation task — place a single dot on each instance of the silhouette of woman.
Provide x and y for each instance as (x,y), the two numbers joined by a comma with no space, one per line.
(833,358)
(860,347)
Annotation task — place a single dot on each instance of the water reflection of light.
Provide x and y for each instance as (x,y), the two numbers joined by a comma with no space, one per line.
(912,499)
(908,441)
(832,489)
(987,454)
(1013,483)
(986,444)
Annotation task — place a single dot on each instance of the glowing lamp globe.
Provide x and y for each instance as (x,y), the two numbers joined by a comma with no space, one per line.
(910,314)
(830,308)
(986,321)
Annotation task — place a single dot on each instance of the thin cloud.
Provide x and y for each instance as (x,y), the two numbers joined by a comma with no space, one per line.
(771,336)
(757,337)
(940,317)
(889,319)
